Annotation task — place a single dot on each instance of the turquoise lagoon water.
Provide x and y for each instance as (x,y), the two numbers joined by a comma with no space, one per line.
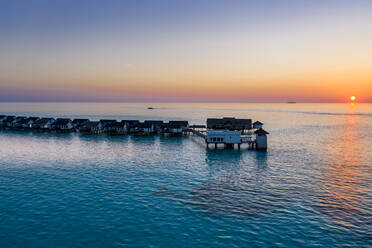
(312,188)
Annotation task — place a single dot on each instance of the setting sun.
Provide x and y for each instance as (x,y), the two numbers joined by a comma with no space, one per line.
(352,98)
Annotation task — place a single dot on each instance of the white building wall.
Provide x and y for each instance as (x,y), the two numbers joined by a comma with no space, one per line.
(227,136)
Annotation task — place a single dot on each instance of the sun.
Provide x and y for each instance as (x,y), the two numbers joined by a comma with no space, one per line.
(353,98)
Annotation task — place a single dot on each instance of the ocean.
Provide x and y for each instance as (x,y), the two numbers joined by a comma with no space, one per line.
(311,188)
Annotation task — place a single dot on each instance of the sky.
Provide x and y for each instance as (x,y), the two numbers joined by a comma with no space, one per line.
(185,50)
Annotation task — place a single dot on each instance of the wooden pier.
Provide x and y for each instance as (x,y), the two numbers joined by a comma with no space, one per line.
(198,133)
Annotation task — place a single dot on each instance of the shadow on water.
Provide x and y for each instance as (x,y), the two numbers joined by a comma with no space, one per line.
(235,187)
(261,159)
(172,141)
(344,185)
(106,138)
(227,161)
(37,134)
(143,139)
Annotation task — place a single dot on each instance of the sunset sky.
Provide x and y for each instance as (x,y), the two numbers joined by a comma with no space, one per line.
(192,50)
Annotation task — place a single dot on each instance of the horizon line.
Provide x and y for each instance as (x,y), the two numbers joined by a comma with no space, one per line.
(178,102)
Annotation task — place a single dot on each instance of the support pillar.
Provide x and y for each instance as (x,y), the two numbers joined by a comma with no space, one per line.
(212,145)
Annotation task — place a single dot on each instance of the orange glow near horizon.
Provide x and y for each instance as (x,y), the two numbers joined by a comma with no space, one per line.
(279,57)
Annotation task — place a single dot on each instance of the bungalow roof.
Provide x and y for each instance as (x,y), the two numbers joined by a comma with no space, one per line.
(9,118)
(181,123)
(131,123)
(117,124)
(113,124)
(92,124)
(20,117)
(80,121)
(229,123)
(22,121)
(106,122)
(144,125)
(32,118)
(177,124)
(43,121)
(155,122)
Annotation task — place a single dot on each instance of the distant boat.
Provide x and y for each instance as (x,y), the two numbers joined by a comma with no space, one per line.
(291,102)
(150,108)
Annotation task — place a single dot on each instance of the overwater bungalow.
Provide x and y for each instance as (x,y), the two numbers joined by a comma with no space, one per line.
(157,125)
(175,128)
(77,123)
(7,121)
(18,118)
(23,122)
(229,132)
(18,121)
(130,125)
(184,125)
(92,127)
(104,123)
(115,128)
(43,123)
(62,124)
(144,129)
(120,128)
(31,121)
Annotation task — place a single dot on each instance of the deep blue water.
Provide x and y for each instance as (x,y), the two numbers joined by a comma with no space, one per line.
(312,188)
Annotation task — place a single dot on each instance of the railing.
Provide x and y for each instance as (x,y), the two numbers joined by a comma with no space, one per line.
(198,133)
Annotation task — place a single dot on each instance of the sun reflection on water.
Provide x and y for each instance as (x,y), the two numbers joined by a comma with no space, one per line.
(344,177)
